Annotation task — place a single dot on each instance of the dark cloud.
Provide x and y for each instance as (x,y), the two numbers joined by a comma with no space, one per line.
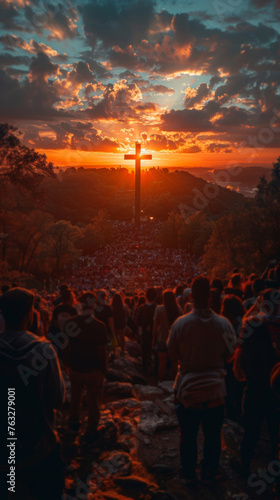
(41,67)
(196,96)
(71,135)
(81,74)
(117,23)
(58,19)
(159,142)
(29,100)
(119,102)
(181,27)
(187,120)
(9,16)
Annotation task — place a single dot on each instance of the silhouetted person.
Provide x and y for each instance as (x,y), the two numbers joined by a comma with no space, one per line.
(29,365)
(200,342)
(145,321)
(87,359)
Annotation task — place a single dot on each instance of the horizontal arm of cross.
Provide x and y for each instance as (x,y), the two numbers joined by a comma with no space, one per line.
(146,157)
(130,157)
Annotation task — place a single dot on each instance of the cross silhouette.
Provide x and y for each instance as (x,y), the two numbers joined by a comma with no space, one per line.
(137,157)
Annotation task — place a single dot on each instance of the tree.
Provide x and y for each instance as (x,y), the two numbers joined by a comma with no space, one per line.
(61,244)
(20,165)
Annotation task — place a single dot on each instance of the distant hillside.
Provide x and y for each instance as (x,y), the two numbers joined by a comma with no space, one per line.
(248,177)
(77,195)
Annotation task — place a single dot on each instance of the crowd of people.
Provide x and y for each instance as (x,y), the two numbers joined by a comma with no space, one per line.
(220,340)
(134,259)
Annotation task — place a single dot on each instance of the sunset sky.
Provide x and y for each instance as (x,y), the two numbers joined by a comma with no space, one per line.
(197,82)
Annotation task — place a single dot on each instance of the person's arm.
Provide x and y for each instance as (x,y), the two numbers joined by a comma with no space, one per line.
(102,357)
(54,386)
(172,347)
(102,351)
(111,326)
(230,341)
(155,328)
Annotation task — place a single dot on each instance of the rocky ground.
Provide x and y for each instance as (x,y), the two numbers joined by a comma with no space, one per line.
(136,454)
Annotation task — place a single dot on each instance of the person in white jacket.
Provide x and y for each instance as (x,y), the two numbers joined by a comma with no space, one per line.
(200,343)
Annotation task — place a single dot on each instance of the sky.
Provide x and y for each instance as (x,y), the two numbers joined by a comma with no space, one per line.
(196,81)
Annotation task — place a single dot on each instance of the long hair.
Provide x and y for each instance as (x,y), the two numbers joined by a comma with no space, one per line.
(117,305)
(171,306)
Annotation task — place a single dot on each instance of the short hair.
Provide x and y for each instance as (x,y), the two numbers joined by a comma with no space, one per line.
(63,287)
(15,304)
(236,279)
(67,295)
(201,292)
(87,300)
(151,294)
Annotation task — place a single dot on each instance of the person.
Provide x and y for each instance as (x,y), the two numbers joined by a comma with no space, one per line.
(200,343)
(120,315)
(235,286)
(234,311)
(61,314)
(165,315)
(104,313)
(257,353)
(86,357)
(29,365)
(145,320)
(258,286)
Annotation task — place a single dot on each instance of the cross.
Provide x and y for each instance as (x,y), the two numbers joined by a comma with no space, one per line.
(137,157)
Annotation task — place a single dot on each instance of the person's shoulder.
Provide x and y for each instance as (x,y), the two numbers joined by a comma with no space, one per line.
(224,322)
(184,320)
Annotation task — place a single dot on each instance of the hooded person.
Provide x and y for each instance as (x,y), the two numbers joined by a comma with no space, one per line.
(29,369)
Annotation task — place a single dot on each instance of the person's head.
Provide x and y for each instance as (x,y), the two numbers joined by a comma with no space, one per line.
(232,309)
(127,301)
(218,284)
(170,305)
(63,287)
(187,295)
(117,302)
(141,300)
(102,296)
(236,281)
(16,306)
(248,290)
(258,286)
(179,290)
(5,288)
(151,294)
(87,301)
(201,292)
(67,297)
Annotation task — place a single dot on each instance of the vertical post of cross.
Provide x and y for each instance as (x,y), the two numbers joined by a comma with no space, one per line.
(137,184)
(138,157)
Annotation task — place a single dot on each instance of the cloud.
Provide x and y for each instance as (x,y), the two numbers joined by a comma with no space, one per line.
(60,20)
(196,96)
(120,102)
(70,135)
(117,23)
(13,42)
(188,120)
(41,67)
